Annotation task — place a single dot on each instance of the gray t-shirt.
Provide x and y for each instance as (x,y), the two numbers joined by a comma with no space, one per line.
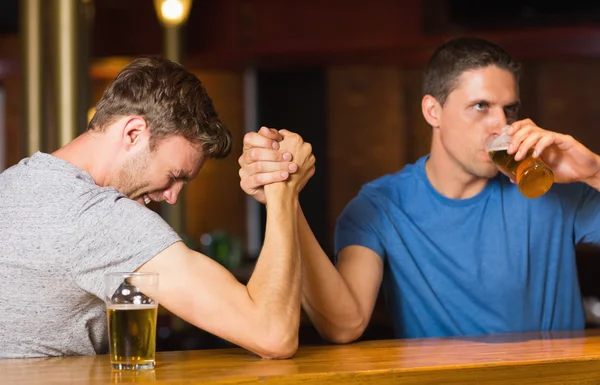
(59,234)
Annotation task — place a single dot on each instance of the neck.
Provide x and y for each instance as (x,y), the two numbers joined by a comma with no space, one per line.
(89,152)
(448,177)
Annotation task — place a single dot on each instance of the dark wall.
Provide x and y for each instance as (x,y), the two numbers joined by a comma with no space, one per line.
(9,16)
(295,100)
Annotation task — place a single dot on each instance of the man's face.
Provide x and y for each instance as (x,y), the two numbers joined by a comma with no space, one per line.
(484,101)
(159,175)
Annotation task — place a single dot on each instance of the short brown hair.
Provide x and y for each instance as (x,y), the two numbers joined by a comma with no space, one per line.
(171,100)
(451,59)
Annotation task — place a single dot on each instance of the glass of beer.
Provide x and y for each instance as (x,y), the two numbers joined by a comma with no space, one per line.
(534,178)
(131,314)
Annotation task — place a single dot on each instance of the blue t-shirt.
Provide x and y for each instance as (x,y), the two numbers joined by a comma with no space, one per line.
(494,263)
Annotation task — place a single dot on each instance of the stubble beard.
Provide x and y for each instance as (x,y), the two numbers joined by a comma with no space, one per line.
(130,177)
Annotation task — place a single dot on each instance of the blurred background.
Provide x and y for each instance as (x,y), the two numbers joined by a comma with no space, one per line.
(345,75)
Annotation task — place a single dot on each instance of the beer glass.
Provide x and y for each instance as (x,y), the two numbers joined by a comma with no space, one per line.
(131,314)
(534,178)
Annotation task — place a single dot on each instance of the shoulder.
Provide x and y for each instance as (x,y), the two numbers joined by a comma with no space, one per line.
(574,195)
(107,206)
(374,196)
(390,186)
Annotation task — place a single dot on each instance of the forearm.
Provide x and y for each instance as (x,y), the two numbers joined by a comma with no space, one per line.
(326,297)
(594,181)
(275,283)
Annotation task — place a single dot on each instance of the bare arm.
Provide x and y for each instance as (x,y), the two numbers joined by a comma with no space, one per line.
(339,301)
(263,316)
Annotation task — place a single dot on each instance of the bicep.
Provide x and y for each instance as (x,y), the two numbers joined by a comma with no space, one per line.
(202,292)
(362,271)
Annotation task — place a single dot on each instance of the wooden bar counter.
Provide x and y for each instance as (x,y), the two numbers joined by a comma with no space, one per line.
(525,358)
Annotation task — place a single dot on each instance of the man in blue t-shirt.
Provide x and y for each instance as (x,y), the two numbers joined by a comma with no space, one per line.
(457,248)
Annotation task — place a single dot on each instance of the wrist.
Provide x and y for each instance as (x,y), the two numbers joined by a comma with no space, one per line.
(280,192)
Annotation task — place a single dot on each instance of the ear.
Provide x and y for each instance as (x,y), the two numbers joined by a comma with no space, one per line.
(134,132)
(432,111)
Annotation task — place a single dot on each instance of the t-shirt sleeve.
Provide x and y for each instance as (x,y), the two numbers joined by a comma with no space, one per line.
(587,217)
(359,225)
(115,234)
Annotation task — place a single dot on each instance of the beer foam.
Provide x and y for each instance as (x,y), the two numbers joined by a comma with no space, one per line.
(132,306)
(500,142)
(498,147)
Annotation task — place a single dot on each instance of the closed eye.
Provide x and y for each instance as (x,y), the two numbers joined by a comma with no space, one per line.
(183,177)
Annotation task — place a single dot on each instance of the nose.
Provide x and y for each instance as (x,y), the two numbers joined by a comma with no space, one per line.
(171,195)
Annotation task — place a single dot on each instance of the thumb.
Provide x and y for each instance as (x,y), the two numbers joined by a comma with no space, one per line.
(270,133)
(284,133)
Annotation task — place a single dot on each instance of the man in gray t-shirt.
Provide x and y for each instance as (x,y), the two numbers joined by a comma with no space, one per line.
(60,233)
(69,217)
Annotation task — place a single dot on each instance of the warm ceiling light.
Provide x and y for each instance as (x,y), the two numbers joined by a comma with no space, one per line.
(172,13)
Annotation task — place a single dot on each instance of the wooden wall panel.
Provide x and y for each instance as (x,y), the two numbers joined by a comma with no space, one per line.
(567,99)
(418,142)
(333,25)
(528,89)
(367,129)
